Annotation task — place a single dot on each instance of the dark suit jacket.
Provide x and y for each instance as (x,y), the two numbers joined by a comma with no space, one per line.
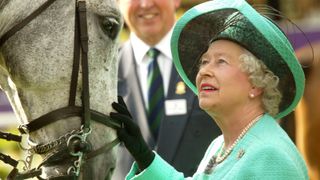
(182,139)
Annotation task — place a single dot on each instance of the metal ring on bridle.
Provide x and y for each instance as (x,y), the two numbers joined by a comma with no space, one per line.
(72,142)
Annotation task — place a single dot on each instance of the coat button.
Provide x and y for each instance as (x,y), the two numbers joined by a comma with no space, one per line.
(240,153)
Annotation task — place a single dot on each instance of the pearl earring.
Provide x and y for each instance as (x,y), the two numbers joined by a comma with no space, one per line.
(252,95)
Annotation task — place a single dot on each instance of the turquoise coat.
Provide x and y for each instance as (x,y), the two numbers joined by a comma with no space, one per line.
(265,152)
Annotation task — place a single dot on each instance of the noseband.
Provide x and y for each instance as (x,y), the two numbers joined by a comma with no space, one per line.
(74,142)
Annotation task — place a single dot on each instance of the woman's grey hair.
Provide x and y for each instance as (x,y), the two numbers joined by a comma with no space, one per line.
(262,77)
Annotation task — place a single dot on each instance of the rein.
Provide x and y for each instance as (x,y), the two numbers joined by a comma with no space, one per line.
(75,142)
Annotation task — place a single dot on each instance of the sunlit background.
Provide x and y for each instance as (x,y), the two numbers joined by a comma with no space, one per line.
(304,13)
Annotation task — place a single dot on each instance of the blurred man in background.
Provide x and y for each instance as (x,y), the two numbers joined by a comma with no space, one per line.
(173,119)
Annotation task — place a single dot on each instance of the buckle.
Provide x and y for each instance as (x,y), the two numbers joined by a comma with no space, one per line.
(23,129)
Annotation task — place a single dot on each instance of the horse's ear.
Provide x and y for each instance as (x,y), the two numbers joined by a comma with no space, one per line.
(4,74)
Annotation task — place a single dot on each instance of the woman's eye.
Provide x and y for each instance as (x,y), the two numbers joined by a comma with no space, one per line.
(204,62)
(221,61)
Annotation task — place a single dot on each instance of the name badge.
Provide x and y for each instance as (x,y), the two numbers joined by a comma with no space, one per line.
(176,107)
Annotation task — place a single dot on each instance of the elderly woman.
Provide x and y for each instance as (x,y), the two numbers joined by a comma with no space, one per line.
(247,77)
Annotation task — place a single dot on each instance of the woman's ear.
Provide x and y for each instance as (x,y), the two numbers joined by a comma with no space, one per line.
(254,92)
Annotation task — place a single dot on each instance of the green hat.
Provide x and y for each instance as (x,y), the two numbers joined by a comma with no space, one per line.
(237,21)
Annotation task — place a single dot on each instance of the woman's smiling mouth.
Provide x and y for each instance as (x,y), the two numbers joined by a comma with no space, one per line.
(205,87)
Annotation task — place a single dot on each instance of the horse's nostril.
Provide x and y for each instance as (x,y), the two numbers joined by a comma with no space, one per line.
(111,27)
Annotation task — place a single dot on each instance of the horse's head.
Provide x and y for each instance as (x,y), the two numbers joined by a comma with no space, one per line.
(36,71)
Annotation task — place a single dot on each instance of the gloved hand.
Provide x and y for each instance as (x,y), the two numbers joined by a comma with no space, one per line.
(131,136)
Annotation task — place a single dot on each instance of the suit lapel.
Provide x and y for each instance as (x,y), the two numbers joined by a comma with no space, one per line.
(172,127)
(129,88)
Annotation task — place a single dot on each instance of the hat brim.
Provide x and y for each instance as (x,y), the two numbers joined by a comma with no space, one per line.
(198,26)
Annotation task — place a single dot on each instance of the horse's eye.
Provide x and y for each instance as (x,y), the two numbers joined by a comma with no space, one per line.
(111,27)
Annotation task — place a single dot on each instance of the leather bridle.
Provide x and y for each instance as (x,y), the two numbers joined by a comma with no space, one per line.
(74,142)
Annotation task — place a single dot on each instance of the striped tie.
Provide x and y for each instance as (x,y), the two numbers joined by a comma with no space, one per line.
(155,93)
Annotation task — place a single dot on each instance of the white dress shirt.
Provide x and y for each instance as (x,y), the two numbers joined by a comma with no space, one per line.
(164,59)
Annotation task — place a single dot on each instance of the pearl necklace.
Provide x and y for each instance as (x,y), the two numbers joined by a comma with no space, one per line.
(215,160)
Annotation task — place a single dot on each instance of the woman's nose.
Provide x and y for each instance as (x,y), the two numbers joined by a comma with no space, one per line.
(205,71)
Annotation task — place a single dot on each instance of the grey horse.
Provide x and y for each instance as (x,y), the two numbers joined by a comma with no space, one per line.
(35,73)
